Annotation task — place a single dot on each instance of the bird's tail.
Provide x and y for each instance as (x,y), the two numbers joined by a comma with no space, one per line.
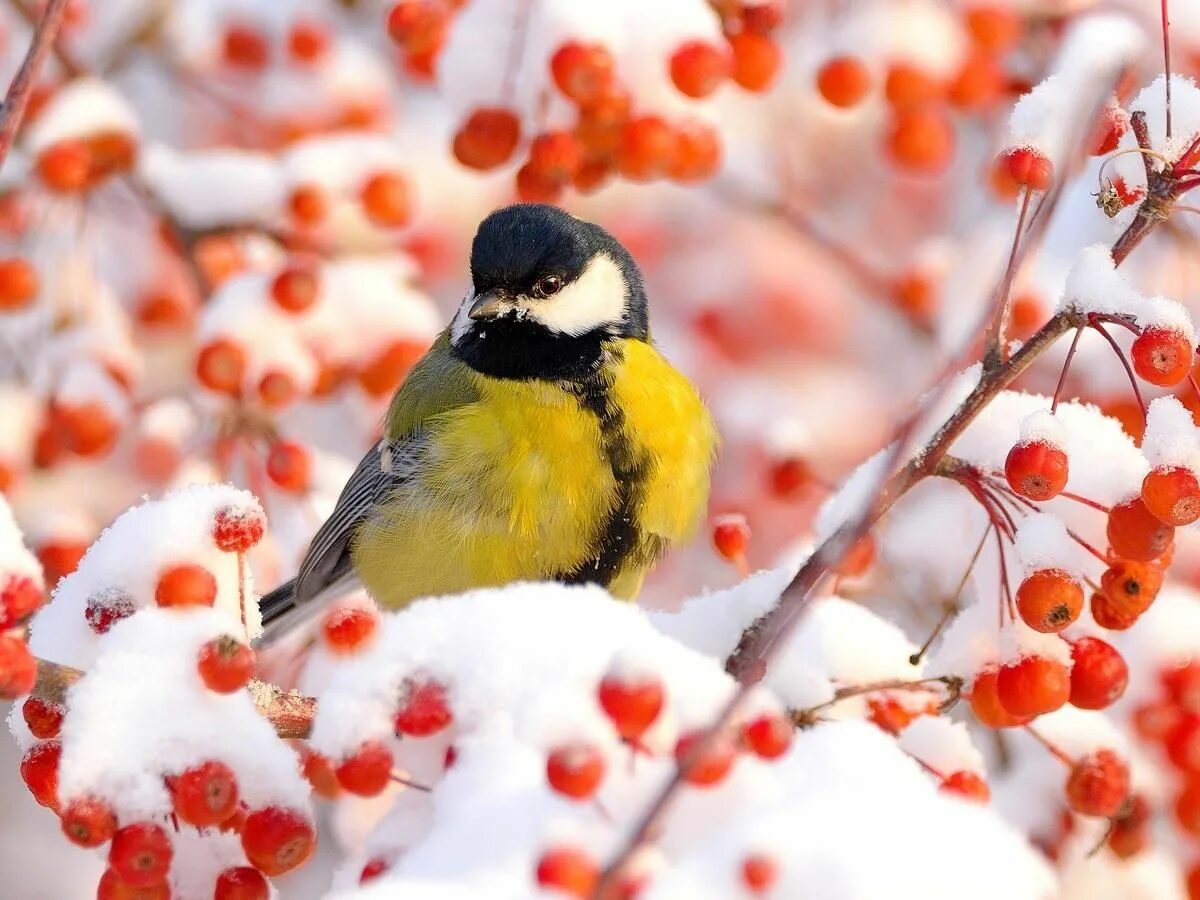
(276,607)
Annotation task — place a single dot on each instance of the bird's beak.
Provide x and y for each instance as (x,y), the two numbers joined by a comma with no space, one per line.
(490,306)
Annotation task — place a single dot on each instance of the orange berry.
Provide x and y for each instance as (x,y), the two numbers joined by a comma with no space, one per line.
(921,141)
(277,840)
(995,27)
(632,702)
(1049,600)
(65,167)
(556,155)
(367,771)
(1026,167)
(1036,470)
(698,68)
(568,870)
(221,366)
(295,289)
(978,84)
(1162,356)
(844,81)
(583,72)
(244,47)
(1136,533)
(575,770)
(289,465)
(985,703)
(858,559)
(164,310)
(383,373)
(1099,674)
(386,201)
(1108,615)
(277,389)
(348,629)
(908,86)
(1172,494)
(19,284)
(488,138)
(646,148)
(88,822)
(308,205)
(731,535)
(1131,586)
(968,785)
(759,873)
(756,60)
(185,584)
(712,764)
(1033,686)
(308,41)
(697,153)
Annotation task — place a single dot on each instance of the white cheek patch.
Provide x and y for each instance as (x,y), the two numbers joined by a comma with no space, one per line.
(594,299)
(462,319)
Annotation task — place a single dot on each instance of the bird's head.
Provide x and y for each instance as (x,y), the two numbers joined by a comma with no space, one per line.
(547,291)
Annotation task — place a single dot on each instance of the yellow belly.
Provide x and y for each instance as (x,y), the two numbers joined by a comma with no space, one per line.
(517,485)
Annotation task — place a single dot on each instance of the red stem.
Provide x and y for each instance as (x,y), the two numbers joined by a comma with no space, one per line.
(1062,378)
(1124,362)
(1166,40)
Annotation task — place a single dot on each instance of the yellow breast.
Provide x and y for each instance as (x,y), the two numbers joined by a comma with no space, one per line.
(518,484)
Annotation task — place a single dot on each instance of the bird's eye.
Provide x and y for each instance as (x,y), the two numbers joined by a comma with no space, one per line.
(547,285)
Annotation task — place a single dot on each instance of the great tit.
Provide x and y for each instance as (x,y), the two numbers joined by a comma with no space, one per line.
(542,437)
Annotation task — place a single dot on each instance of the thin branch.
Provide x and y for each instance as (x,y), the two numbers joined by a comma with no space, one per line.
(1166,40)
(17,100)
(65,61)
(993,340)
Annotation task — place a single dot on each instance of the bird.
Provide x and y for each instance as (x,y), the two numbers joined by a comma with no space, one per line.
(543,437)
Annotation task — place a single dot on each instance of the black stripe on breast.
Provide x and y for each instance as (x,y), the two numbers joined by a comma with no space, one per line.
(620,535)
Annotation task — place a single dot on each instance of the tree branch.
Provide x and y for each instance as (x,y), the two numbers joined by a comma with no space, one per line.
(17,100)
(291,714)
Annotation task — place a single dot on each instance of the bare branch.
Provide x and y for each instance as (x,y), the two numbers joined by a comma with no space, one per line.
(17,100)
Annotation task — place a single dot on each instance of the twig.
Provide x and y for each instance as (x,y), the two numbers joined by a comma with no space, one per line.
(289,713)
(1166,40)
(65,61)
(17,100)
(993,340)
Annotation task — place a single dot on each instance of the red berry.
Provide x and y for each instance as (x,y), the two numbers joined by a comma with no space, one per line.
(295,289)
(1162,356)
(1109,128)
(756,60)
(384,372)
(1129,833)
(277,389)
(373,869)
(556,155)
(418,25)
(731,535)
(205,795)
(1098,784)
(985,702)
(844,81)
(1036,470)
(1107,615)
(697,152)
(225,664)
(768,736)
(19,284)
(488,138)
(568,870)
(42,717)
(106,608)
(39,771)
(141,854)
(1033,686)
(1182,684)
(711,765)
(1026,167)
(995,27)
(1183,744)
(277,840)
(242,883)
(237,529)
(1172,494)
(698,68)
(759,873)
(646,148)
(1187,807)
(368,770)
(185,585)
(423,708)
(386,201)
(348,629)
(575,770)
(19,598)
(1049,600)
(789,477)
(583,72)
(632,702)
(1154,720)
(18,668)
(245,47)
(289,465)
(307,41)
(1136,533)
(88,822)
(221,366)
(113,887)
(534,187)
(968,785)
(909,86)
(1099,675)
